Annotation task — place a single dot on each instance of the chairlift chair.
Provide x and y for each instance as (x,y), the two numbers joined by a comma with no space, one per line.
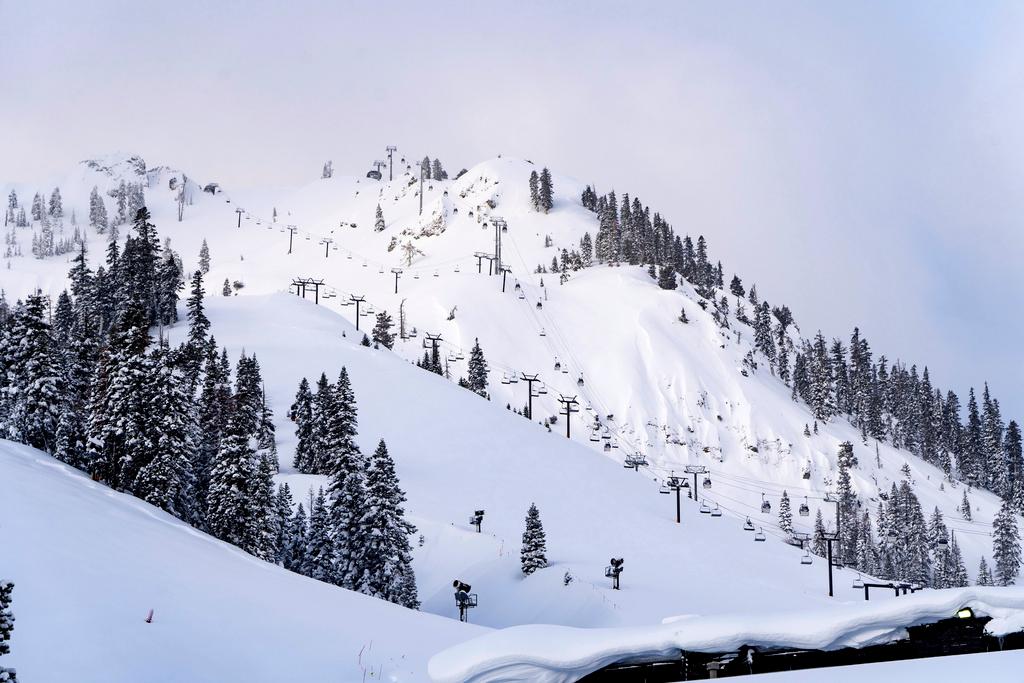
(512,379)
(706,483)
(416,276)
(858,582)
(542,333)
(716,511)
(705,509)
(542,391)
(539,305)
(607,446)
(558,366)
(457,269)
(504,379)
(521,295)
(664,489)
(766,507)
(804,509)
(579,382)
(806,559)
(436,274)
(759,536)
(594,437)
(748,525)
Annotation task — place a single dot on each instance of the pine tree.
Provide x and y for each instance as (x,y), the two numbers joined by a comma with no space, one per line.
(226,290)
(818,544)
(477,370)
(318,562)
(666,277)
(233,502)
(382,330)
(31,396)
(166,480)
(284,541)
(532,555)
(965,507)
(295,556)
(546,192)
(204,258)
(192,355)
(956,576)
(984,575)
(1006,551)
(785,514)
(387,555)
(97,212)
(535,190)
(301,412)
(6,627)
(379,224)
(56,204)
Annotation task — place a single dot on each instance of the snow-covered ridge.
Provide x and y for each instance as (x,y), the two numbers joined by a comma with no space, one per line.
(553,654)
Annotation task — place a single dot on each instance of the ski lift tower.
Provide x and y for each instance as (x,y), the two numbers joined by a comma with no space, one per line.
(529,379)
(357,300)
(391,149)
(500,226)
(695,470)
(830,537)
(568,407)
(677,484)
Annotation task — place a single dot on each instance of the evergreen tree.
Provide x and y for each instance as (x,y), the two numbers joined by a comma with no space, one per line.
(818,544)
(318,561)
(736,286)
(535,190)
(965,507)
(667,277)
(477,370)
(532,555)
(284,541)
(295,556)
(382,334)
(97,212)
(233,503)
(546,192)
(301,412)
(166,480)
(785,514)
(387,555)
(378,223)
(215,410)
(31,396)
(6,627)
(984,575)
(1006,545)
(192,355)
(56,204)
(204,258)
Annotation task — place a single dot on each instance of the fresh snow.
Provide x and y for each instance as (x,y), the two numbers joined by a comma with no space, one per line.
(675,391)
(553,654)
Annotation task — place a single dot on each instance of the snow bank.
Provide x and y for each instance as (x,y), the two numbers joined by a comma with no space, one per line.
(553,654)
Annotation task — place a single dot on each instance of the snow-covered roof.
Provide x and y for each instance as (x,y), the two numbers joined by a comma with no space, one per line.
(558,654)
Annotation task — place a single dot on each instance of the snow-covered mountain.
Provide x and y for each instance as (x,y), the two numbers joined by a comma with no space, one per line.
(646,383)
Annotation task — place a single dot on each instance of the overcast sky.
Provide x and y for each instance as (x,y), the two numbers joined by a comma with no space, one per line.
(862,162)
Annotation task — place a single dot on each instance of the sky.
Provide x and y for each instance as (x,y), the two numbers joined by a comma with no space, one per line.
(861,162)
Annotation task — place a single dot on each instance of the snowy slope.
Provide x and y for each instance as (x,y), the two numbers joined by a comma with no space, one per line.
(675,391)
(88,564)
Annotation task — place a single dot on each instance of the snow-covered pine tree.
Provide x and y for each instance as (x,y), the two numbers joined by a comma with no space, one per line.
(283,542)
(965,507)
(382,333)
(97,212)
(204,257)
(984,574)
(477,370)
(378,223)
(295,556)
(215,409)
(318,562)
(226,289)
(301,412)
(535,190)
(546,193)
(234,503)
(387,555)
(533,556)
(167,479)
(349,532)
(938,544)
(6,627)
(425,168)
(818,543)
(785,514)
(192,355)
(666,277)
(320,439)
(32,401)
(1006,545)
(956,576)
(56,204)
